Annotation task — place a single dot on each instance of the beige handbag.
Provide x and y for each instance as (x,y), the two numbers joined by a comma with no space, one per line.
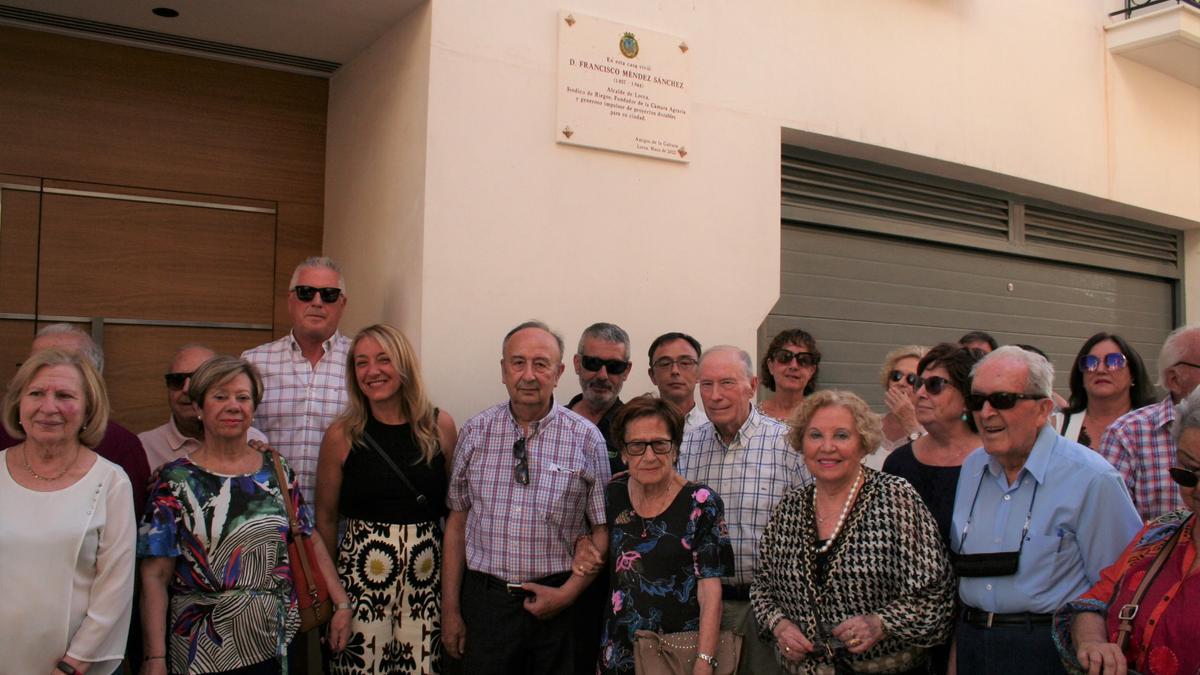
(675,653)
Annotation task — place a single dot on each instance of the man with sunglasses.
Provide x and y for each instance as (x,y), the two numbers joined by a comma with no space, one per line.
(602,364)
(181,433)
(528,481)
(1139,442)
(1036,519)
(304,372)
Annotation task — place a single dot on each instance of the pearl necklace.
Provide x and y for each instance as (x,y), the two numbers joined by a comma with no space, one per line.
(845,509)
(29,467)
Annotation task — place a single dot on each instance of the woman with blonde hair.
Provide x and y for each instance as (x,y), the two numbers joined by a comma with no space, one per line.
(898,377)
(384,465)
(67,529)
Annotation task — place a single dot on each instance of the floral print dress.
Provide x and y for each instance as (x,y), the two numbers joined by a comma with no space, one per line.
(657,565)
(232,603)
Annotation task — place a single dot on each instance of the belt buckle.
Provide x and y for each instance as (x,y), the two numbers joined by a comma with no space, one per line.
(1127,612)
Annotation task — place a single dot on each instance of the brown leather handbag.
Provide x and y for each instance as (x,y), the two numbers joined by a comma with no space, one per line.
(312,594)
(675,653)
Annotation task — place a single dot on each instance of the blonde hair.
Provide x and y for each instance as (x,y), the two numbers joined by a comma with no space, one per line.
(414,404)
(96,406)
(866,422)
(219,370)
(889,361)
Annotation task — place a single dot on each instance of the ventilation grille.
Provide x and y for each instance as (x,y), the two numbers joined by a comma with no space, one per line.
(807,182)
(98,29)
(1047,226)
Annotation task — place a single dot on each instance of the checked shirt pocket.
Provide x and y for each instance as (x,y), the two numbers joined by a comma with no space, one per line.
(561,492)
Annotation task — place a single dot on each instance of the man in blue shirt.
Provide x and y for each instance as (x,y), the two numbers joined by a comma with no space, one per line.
(1036,518)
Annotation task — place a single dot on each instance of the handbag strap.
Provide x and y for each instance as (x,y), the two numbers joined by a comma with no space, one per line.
(1130,609)
(422,501)
(294,525)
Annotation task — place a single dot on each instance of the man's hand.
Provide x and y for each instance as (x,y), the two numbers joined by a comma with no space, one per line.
(544,603)
(454,633)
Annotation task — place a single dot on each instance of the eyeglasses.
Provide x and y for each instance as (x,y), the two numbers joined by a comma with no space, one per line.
(911,378)
(934,384)
(1187,363)
(1000,400)
(684,363)
(661,446)
(803,359)
(1185,477)
(307,293)
(521,468)
(594,364)
(175,381)
(1113,361)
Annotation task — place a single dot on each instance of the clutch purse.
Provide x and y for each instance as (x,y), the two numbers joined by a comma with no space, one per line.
(675,653)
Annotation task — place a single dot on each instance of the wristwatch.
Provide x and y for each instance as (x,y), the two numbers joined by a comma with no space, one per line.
(67,668)
(708,658)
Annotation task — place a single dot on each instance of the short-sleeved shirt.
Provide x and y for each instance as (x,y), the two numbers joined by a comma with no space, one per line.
(751,474)
(1139,445)
(1081,520)
(524,532)
(299,401)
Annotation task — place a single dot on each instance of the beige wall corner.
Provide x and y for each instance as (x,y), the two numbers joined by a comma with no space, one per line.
(375,176)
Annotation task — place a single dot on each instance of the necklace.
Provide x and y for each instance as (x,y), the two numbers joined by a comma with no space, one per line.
(646,522)
(845,509)
(29,467)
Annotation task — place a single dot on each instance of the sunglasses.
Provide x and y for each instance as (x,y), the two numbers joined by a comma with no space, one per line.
(175,381)
(661,446)
(1185,477)
(1090,364)
(594,364)
(307,293)
(1000,400)
(934,384)
(911,378)
(802,359)
(521,468)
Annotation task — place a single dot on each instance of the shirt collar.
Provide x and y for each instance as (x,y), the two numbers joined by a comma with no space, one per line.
(745,433)
(327,345)
(1164,413)
(175,437)
(1038,458)
(536,425)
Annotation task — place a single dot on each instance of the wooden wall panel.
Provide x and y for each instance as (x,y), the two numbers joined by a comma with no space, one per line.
(113,258)
(298,237)
(137,356)
(15,338)
(18,250)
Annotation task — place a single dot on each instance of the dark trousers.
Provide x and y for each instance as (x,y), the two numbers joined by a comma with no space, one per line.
(590,610)
(1002,650)
(503,637)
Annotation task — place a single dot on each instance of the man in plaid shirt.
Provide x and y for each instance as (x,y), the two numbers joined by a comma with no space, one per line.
(745,457)
(1139,443)
(528,482)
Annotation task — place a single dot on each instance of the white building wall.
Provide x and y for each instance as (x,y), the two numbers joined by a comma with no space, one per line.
(515,226)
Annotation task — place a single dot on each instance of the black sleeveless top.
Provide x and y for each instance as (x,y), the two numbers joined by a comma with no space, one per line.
(372,491)
(937,485)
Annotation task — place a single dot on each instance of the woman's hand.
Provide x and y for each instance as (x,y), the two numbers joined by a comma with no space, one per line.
(339,630)
(901,406)
(1101,658)
(588,558)
(860,633)
(793,645)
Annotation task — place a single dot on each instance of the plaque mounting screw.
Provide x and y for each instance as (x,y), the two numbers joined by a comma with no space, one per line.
(683,47)
(567,132)
(570,20)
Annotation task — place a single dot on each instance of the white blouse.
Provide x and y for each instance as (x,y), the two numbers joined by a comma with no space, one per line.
(66,571)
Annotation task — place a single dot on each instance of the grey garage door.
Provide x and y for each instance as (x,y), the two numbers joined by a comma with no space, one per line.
(862,294)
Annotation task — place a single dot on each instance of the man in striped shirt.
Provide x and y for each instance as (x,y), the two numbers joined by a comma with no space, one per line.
(304,372)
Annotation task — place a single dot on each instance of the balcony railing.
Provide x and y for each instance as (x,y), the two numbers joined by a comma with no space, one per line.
(1132,6)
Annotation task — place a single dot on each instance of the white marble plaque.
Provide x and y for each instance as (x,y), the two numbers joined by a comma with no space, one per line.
(622,88)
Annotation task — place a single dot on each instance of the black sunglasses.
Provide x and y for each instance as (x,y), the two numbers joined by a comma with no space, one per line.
(1185,477)
(803,359)
(175,381)
(307,293)
(911,378)
(1000,400)
(661,446)
(934,384)
(594,364)
(1112,361)
(521,468)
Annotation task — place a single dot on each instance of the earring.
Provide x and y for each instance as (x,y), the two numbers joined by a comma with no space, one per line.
(965,416)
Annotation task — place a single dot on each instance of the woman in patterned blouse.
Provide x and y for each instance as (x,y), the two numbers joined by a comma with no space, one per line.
(852,572)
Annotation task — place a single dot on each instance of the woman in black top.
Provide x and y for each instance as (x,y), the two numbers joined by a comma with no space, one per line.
(932,462)
(383,466)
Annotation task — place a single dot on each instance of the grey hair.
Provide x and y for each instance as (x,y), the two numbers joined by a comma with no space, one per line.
(742,354)
(88,348)
(318,261)
(1040,379)
(1187,416)
(608,332)
(1172,350)
(533,323)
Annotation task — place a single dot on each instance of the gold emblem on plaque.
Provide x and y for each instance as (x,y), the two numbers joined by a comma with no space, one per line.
(629,46)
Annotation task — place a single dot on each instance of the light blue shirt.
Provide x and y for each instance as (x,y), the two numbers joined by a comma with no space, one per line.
(1082,519)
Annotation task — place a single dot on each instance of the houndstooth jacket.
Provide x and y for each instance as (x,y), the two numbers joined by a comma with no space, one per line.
(887,560)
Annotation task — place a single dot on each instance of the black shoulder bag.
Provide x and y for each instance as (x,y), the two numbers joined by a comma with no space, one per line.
(422,501)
